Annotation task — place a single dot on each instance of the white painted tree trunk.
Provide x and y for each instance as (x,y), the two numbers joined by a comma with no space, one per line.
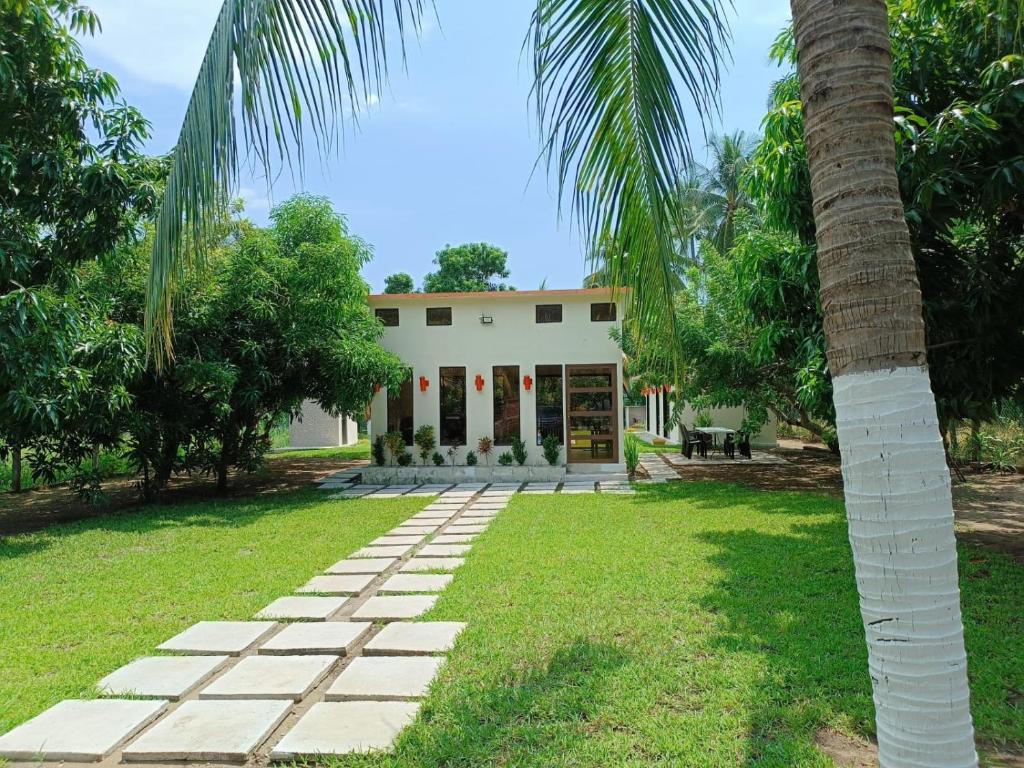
(900,514)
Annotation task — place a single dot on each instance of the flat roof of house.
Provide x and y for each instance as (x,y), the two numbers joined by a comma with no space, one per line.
(496,294)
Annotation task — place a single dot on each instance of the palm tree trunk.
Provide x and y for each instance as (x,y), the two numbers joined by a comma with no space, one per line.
(897,487)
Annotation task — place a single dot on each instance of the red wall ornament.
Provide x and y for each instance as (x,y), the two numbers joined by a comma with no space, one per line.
(424,383)
(527,382)
(479,381)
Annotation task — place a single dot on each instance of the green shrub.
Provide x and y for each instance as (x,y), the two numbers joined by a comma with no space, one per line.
(519,450)
(425,441)
(703,419)
(552,449)
(438,459)
(395,443)
(506,459)
(404,459)
(471,459)
(631,448)
(379,456)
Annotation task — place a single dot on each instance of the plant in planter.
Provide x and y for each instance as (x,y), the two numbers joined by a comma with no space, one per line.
(631,449)
(396,445)
(506,459)
(404,459)
(485,445)
(438,459)
(379,456)
(519,450)
(425,441)
(471,459)
(451,455)
(552,449)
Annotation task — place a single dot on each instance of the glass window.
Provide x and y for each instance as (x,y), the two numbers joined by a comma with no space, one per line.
(453,406)
(549,403)
(439,315)
(506,403)
(400,410)
(602,313)
(549,313)
(387,317)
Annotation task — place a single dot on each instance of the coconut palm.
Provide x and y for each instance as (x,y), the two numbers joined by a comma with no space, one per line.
(611,80)
(720,193)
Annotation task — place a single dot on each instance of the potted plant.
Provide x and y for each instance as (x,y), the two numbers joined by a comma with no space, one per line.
(425,441)
(471,459)
(552,449)
(396,445)
(379,456)
(519,450)
(631,449)
(484,446)
(438,459)
(506,459)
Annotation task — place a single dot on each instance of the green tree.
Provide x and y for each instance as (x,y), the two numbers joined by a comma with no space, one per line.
(400,282)
(467,268)
(73,184)
(721,194)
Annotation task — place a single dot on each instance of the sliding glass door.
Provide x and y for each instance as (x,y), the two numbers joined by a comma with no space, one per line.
(593,414)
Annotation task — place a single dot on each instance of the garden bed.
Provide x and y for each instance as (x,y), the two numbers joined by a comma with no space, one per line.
(462,473)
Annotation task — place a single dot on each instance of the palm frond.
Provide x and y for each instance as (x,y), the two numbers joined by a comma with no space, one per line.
(609,78)
(299,64)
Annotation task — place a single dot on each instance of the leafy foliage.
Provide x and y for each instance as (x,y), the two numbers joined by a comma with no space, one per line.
(519,450)
(400,282)
(468,268)
(552,449)
(425,440)
(395,443)
(505,459)
(631,451)
(438,459)
(379,451)
(471,459)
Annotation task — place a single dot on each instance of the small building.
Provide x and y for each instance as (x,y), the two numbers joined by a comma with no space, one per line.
(504,365)
(315,428)
(660,408)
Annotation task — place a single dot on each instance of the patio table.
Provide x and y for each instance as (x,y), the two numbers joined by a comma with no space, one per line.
(715,432)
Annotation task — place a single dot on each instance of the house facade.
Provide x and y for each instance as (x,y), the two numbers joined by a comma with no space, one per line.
(315,428)
(523,364)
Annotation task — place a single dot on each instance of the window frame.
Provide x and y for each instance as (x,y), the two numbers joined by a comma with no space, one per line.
(595,308)
(516,402)
(546,372)
(380,312)
(405,389)
(539,307)
(432,324)
(445,372)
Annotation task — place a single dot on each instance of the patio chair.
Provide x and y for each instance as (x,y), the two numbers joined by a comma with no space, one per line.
(743,443)
(729,447)
(688,442)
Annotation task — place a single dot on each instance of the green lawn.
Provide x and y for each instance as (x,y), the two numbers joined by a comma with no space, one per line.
(79,600)
(691,624)
(360,450)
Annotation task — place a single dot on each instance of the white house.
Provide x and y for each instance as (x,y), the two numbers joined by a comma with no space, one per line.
(315,428)
(506,364)
(659,408)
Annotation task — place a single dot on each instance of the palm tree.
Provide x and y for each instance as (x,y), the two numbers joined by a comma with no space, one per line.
(721,191)
(610,78)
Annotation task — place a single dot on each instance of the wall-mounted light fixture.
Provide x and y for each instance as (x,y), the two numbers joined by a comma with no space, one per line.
(424,383)
(376,387)
(527,382)
(486,320)
(479,381)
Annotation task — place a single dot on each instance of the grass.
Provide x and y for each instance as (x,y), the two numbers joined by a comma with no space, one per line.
(361,450)
(77,601)
(692,624)
(646,447)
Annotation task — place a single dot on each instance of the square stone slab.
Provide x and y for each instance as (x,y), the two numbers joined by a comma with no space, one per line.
(270,677)
(478,527)
(413,530)
(389,607)
(362,565)
(454,538)
(161,677)
(328,637)
(218,637)
(385,678)
(210,731)
(484,514)
(395,550)
(349,584)
(410,638)
(344,727)
(537,491)
(432,515)
(302,608)
(422,564)
(396,539)
(445,550)
(413,582)
(78,731)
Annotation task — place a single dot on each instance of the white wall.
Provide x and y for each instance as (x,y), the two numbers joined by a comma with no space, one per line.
(723,417)
(513,338)
(317,429)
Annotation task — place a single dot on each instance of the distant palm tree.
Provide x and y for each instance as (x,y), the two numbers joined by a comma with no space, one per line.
(610,78)
(720,192)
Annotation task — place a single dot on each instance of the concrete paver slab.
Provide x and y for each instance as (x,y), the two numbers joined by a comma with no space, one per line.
(396,550)
(362,565)
(396,539)
(79,731)
(338,584)
(424,564)
(345,727)
(413,530)
(444,550)
(391,607)
(270,677)
(478,527)
(222,731)
(302,608)
(385,678)
(413,582)
(160,677)
(454,538)
(218,637)
(407,638)
(328,637)
(485,514)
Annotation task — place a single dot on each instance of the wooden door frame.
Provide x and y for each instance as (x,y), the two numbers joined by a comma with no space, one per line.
(613,415)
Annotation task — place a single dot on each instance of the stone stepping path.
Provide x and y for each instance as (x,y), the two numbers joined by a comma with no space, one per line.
(344,656)
(656,468)
(343,478)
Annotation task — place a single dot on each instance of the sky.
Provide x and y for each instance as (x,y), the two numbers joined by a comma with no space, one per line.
(447,155)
